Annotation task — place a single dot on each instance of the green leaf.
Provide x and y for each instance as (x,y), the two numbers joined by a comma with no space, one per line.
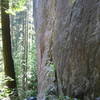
(10,11)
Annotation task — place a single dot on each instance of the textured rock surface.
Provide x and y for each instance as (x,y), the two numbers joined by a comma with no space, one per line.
(72,32)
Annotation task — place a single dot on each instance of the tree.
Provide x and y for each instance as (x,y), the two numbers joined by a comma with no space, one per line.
(24,52)
(23,39)
(44,18)
(77,56)
(75,45)
(7,52)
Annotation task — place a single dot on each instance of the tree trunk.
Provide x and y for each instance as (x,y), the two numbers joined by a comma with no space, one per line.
(73,28)
(7,52)
(76,50)
(24,54)
(44,21)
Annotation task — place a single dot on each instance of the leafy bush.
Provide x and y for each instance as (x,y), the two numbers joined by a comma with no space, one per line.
(4,90)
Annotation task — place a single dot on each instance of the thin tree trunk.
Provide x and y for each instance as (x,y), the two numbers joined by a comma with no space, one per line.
(25,52)
(23,56)
(7,52)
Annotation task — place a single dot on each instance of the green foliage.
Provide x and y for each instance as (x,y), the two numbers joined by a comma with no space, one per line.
(51,65)
(72,1)
(4,90)
(16,6)
(21,25)
(23,41)
(60,98)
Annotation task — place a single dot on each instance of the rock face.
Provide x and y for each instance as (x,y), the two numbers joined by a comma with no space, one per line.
(68,35)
